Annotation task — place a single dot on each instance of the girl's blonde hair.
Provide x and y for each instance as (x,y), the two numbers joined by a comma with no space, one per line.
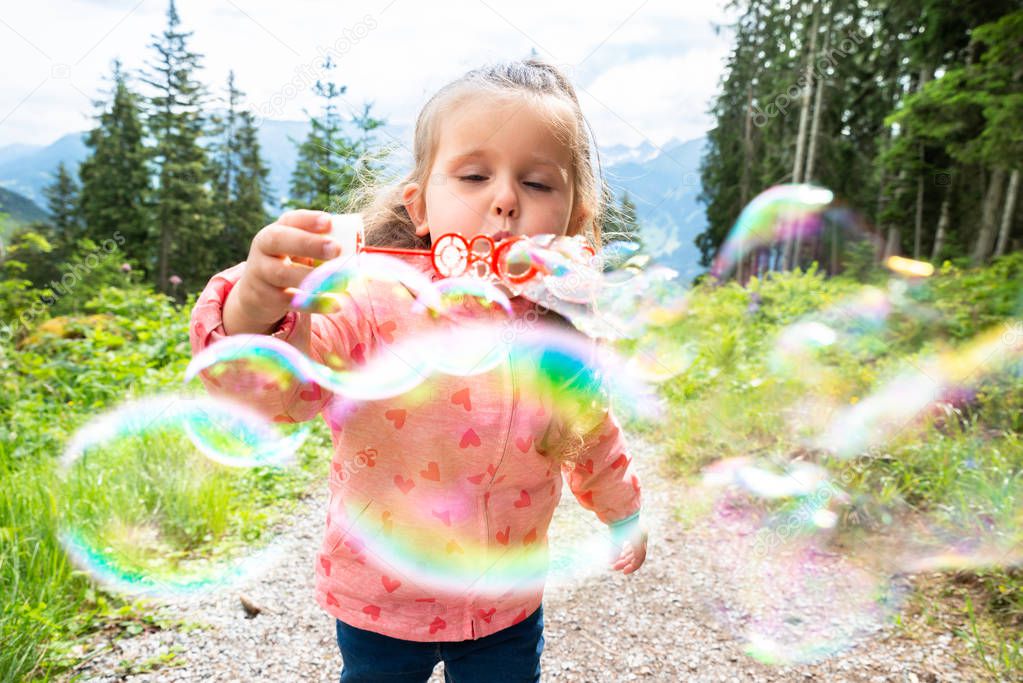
(386,221)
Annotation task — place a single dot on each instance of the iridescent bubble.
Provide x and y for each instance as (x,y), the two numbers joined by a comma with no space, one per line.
(657,357)
(763,479)
(792,225)
(145,492)
(905,399)
(226,432)
(458,291)
(323,290)
(787,583)
(395,369)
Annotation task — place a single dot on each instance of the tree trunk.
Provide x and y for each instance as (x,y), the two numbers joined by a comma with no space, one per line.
(1007,213)
(918,223)
(992,200)
(747,148)
(918,220)
(893,241)
(791,259)
(818,99)
(942,231)
(804,109)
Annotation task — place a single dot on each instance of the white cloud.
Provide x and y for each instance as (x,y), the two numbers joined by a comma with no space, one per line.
(656,69)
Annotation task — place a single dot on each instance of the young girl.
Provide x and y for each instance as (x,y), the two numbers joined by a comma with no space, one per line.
(435,493)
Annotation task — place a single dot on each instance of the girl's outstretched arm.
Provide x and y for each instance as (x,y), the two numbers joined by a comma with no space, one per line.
(603,479)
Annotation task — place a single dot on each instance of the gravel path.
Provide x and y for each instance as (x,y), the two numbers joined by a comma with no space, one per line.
(655,625)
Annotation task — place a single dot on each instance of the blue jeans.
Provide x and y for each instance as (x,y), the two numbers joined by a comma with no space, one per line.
(511,655)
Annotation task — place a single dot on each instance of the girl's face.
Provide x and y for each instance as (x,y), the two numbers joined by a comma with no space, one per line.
(498,169)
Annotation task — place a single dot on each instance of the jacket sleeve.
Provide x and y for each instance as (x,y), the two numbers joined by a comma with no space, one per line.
(603,478)
(346,335)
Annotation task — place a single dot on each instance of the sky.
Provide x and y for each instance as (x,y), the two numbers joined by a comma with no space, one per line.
(643,70)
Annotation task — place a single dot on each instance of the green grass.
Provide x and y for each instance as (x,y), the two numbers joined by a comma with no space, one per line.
(149,491)
(966,463)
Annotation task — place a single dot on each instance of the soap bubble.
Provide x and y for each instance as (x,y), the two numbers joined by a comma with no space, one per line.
(788,584)
(147,487)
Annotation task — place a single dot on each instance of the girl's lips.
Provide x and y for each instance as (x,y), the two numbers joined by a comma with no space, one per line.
(500,235)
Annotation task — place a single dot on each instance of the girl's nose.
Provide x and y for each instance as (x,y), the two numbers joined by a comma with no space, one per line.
(506,203)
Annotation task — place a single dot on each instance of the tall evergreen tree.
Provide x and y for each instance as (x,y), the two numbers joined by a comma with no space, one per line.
(240,178)
(115,175)
(183,226)
(329,160)
(47,245)
(62,202)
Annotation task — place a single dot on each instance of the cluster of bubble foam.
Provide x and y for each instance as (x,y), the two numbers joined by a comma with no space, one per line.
(134,480)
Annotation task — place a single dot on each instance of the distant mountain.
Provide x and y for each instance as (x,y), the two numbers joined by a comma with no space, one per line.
(11,152)
(663,181)
(27,169)
(29,172)
(20,209)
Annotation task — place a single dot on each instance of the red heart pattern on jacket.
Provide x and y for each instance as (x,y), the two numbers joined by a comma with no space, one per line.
(386,330)
(461,398)
(469,438)
(313,394)
(432,472)
(396,416)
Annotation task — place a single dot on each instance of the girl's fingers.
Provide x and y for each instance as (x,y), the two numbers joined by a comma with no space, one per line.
(278,239)
(306,219)
(283,273)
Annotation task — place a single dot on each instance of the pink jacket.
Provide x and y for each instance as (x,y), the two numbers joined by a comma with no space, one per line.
(434,493)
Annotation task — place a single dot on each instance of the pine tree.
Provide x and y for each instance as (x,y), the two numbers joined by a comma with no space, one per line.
(62,203)
(329,161)
(115,175)
(47,245)
(185,232)
(240,184)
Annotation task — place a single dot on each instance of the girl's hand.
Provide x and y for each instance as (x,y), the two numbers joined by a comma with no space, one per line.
(632,552)
(282,254)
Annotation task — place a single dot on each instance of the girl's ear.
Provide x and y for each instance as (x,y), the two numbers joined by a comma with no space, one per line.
(415,204)
(579,217)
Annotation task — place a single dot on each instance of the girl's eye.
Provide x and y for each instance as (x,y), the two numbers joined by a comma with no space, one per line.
(539,186)
(474,178)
